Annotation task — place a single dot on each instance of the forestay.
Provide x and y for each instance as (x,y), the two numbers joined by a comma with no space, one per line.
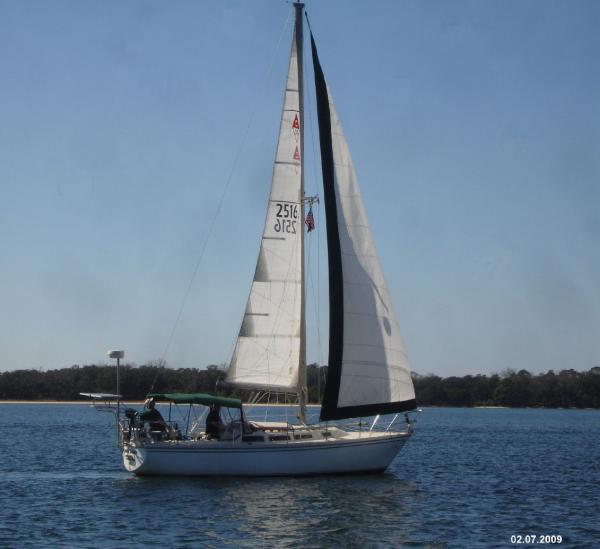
(368,368)
(267,350)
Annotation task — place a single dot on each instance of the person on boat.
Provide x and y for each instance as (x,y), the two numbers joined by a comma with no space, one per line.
(213,422)
(153,416)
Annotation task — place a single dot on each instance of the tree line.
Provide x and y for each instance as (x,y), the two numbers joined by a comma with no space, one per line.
(565,389)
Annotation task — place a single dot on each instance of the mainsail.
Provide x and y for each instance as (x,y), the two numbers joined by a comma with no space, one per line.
(268,348)
(368,370)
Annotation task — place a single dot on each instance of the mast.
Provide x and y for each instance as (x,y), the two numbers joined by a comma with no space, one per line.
(302,384)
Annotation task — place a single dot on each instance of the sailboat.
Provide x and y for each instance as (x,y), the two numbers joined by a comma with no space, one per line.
(368,372)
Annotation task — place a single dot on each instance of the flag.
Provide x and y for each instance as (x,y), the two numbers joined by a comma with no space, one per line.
(309,221)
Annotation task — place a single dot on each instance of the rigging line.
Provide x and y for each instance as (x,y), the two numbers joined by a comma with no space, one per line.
(315,296)
(222,198)
(319,343)
(312,139)
(316,188)
(308,98)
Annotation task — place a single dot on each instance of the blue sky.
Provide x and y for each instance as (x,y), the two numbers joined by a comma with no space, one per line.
(475,132)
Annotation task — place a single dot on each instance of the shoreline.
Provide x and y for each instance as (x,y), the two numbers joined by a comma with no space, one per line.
(123,402)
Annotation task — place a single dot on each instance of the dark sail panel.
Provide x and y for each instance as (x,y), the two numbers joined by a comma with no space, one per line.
(368,370)
(336,283)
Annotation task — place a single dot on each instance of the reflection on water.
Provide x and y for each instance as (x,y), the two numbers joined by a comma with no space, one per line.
(307,512)
(468,478)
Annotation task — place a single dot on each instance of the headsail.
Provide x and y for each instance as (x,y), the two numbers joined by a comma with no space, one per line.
(267,351)
(368,370)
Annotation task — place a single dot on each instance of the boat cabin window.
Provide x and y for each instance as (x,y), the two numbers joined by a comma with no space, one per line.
(253,438)
(274,438)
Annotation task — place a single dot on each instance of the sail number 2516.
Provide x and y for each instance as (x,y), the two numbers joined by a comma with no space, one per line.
(286,217)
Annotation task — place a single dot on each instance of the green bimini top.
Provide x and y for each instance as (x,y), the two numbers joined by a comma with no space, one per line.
(197,398)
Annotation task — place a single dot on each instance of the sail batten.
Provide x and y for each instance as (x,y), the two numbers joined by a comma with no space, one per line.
(368,371)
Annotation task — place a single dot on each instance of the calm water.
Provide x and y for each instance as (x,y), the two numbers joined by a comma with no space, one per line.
(468,478)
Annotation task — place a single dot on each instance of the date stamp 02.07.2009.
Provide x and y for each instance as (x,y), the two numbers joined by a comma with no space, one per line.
(535,539)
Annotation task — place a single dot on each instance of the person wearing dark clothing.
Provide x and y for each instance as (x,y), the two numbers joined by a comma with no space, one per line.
(213,422)
(153,416)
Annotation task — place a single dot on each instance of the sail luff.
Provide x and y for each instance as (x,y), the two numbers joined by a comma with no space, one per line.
(368,371)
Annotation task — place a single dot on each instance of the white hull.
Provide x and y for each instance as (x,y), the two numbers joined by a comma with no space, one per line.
(348,453)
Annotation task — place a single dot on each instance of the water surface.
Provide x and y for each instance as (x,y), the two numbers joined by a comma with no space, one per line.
(467,478)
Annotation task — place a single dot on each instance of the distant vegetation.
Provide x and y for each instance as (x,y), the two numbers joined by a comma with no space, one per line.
(567,389)
(136,382)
